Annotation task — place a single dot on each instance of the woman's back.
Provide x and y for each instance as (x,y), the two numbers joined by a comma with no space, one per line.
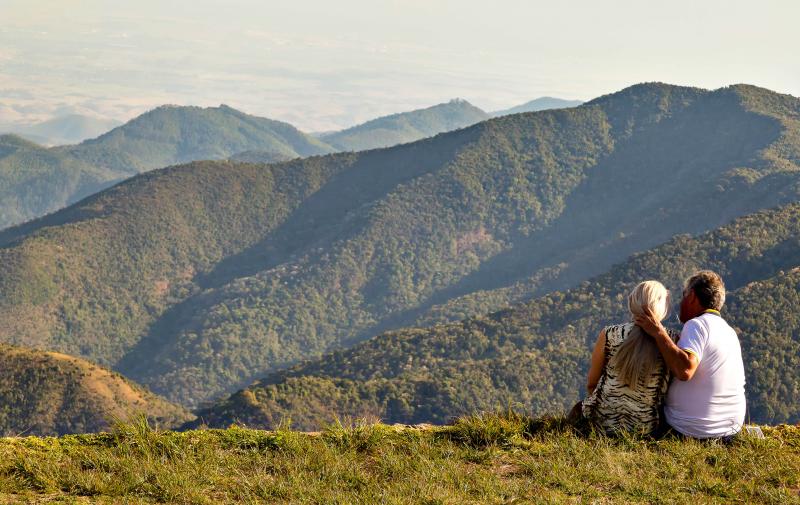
(616,406)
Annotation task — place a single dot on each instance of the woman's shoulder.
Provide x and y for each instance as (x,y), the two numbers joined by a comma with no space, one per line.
(618,328)
(616,332)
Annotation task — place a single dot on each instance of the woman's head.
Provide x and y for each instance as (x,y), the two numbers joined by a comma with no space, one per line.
(649,294)
(638,355)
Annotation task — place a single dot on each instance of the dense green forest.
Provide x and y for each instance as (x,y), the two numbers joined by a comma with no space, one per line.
(46,393)
(198,279)
(535,355)
(405,127)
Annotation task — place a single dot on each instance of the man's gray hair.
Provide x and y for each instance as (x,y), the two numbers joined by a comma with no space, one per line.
(708,288)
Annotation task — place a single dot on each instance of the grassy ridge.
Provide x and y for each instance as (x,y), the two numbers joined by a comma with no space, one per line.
(507,458)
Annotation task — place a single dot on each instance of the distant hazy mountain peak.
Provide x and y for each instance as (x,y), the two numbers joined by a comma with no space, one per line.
(170,134)
(12,139)
(537,104)
(403,127)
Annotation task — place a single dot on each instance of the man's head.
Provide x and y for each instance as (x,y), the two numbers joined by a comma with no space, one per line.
(704,290)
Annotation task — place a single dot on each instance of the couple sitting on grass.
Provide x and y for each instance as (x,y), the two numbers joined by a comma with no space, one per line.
(646,379)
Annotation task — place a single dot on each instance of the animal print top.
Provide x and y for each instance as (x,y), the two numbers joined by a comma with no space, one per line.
(614,406)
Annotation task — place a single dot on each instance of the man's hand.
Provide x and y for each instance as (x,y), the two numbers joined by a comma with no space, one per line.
(681,363)
(649,323)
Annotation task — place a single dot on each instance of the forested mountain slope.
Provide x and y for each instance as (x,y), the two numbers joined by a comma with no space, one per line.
(198,279)
(405,127)
(172,134)
(47,393)
(35,180)
(536,354)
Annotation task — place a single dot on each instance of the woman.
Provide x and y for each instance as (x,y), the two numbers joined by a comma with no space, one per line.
(627,376)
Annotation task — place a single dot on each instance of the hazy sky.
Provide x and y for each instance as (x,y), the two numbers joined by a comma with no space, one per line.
(328,64)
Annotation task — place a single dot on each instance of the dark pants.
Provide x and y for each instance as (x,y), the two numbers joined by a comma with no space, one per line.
(576,414)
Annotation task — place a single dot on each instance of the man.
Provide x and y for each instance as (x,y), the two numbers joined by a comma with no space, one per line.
(707,399)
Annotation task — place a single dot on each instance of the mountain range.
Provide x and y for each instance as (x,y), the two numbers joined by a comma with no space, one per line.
(35,180)
(198,279)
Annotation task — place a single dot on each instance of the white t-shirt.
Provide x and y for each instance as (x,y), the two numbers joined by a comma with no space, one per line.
(712,403)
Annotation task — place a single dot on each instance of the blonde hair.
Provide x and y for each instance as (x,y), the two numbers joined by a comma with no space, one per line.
(638,355)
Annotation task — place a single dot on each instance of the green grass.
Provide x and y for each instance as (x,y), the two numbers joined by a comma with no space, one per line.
(485,458)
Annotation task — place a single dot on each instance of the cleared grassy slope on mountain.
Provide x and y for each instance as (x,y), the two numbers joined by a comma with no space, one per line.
(47,393)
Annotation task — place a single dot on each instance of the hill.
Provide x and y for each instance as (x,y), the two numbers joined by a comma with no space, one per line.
(67,129)
(537,104)
(47,393)
(198,279)
(35,180)
(480,459)
(536,354)
(405,127)
(172,134)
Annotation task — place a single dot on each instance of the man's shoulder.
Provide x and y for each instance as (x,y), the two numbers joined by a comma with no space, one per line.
(715,323)
(719,335)
(695,326)
(708,323)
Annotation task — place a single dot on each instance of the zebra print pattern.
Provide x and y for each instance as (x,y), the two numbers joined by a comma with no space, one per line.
(614,406)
